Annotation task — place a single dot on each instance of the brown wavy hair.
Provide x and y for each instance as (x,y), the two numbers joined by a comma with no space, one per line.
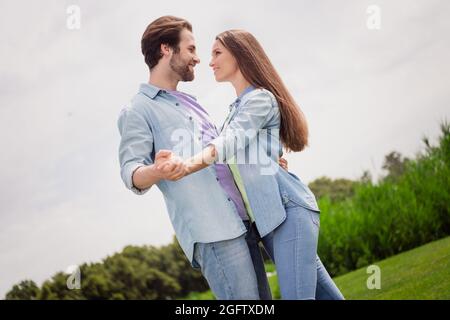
(164,30)
(259,72)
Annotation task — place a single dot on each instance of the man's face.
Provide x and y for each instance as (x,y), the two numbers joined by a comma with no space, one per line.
(184,61)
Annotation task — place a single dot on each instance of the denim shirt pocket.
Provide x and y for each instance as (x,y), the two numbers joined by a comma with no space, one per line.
(307,200)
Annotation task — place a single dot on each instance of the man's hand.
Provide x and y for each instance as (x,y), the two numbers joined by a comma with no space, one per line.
(168,166)
(283,163)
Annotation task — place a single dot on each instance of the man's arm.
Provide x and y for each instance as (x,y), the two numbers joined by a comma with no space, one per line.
(136,145)
(146,176)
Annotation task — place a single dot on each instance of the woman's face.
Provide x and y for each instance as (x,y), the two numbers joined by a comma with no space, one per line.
(223,63)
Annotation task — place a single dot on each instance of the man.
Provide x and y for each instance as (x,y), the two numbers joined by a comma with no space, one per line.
(206,209)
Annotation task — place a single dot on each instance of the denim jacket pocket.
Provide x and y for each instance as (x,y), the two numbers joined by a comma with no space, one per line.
(315,217)
(310,203)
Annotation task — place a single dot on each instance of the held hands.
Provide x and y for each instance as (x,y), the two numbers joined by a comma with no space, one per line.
(169,166)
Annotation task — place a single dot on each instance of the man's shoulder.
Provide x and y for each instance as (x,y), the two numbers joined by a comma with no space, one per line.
(135,105)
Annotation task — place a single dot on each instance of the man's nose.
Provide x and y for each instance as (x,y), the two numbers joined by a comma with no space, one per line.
(197,60)
(211,64)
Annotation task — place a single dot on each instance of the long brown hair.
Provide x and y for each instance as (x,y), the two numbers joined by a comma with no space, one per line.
(259,72)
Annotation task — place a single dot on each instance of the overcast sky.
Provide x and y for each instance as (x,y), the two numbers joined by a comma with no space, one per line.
(365,93)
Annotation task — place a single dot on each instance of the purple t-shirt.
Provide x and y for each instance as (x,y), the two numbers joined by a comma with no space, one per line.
(209,132)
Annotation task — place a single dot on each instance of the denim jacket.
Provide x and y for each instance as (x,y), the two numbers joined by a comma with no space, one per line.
(268,187)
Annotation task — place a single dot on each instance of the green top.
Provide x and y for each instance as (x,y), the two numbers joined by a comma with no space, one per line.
(240,184)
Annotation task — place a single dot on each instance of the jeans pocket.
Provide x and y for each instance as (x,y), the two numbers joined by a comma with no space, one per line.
(197,255)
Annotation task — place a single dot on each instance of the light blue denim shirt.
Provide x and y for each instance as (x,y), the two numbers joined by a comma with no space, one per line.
(267,185)
(198,207)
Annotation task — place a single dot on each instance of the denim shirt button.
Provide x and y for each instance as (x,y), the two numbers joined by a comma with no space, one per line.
(217,178)
(177,104)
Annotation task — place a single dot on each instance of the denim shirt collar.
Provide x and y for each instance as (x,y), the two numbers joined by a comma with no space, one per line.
(152,91)
(149,90)
(238,99)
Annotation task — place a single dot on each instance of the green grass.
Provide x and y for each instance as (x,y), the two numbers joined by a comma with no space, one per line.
(421,273)
(207,295)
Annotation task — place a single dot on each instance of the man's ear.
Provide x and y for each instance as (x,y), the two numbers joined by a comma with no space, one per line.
(165,49)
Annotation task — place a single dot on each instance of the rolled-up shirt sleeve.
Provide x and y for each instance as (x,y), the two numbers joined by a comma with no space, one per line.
(251,117)
(136,146)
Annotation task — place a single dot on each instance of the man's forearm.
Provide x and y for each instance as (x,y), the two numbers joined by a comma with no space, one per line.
(146,176)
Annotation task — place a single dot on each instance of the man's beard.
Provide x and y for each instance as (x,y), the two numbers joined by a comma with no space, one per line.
(180,68)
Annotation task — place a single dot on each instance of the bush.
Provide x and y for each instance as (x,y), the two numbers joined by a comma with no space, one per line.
(393,216)
(135,273)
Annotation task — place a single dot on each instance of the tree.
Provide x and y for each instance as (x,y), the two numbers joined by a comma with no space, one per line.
(366,177)
(145,272)
(25,290)
(336,190)
(56,289)
(395,166)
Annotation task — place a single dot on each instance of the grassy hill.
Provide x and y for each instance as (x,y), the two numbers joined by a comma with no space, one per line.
(421,273)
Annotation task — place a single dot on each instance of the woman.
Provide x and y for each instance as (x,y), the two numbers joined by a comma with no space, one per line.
(282,207)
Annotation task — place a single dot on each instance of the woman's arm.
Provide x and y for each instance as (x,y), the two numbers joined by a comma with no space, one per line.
(245,126)
(240,132)
(205,158)
(201,160)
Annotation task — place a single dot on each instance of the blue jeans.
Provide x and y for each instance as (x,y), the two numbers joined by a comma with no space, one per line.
(234,269)
(293,248)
